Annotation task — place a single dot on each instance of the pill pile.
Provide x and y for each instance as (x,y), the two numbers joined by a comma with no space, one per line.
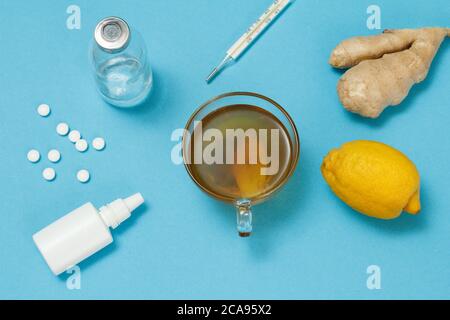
(54,156)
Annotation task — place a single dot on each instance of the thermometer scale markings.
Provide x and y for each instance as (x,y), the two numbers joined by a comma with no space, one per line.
(257,28)
(252,33)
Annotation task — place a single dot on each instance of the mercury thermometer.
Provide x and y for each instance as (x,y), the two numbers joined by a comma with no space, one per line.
(250,36)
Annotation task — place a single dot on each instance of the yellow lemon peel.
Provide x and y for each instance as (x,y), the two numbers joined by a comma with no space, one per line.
(373,178)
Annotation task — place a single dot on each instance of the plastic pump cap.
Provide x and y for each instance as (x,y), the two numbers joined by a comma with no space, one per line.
(119,210)
(134,201)
(112,34)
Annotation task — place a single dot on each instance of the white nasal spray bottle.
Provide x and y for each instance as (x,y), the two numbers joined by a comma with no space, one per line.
(82,232)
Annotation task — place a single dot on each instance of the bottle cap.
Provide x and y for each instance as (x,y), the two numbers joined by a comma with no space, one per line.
(120,210)
(112,34)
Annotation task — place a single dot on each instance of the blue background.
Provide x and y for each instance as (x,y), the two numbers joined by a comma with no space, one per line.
(183,244)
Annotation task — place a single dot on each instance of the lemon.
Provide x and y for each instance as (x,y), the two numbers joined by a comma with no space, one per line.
(373,178)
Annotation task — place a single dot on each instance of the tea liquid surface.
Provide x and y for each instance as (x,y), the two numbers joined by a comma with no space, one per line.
(237,181)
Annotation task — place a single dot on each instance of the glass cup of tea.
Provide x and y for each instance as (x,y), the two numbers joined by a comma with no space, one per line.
(240,147)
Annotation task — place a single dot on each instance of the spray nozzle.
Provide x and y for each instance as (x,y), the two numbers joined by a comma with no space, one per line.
(119,210)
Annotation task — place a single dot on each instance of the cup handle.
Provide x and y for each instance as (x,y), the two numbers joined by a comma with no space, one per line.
(244,217)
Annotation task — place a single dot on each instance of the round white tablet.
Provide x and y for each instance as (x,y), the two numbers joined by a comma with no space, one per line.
(81,145)
(62,129)
(49,174)
(54,155)
(74,136)
(83,176)
(33,155)
(43,110)
(98,143)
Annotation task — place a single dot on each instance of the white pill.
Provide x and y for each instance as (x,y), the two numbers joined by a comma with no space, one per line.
(43,110)
(81,145)
(33,155)
(62,129)
(98,143)
(74,136)
(83,176)
(54,155)
(49,174)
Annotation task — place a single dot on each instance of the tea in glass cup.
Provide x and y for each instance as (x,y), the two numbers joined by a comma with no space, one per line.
(240,148)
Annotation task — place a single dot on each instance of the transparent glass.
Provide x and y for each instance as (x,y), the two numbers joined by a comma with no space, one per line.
(243,205)
(124,78)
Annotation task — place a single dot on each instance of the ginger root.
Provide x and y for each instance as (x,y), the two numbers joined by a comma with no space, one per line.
(383,68)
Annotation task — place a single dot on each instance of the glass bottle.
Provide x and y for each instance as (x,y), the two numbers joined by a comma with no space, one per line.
(119,57)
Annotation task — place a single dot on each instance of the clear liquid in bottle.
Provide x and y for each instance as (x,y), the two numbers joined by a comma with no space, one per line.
(119,57)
